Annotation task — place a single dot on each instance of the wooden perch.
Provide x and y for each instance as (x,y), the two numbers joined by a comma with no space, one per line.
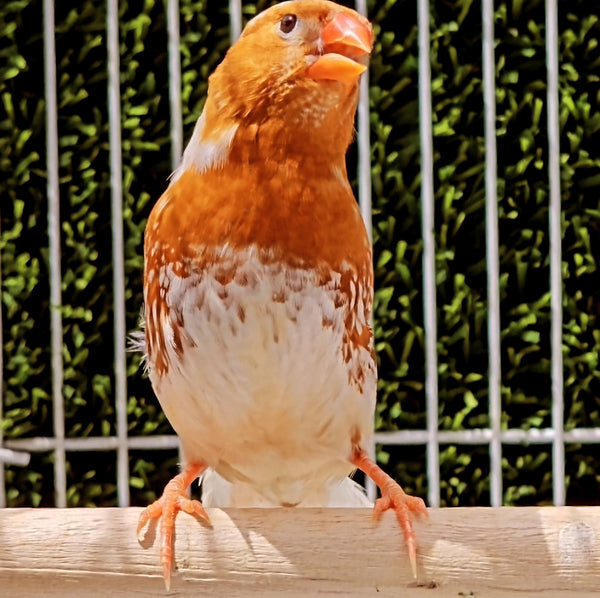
(463,553)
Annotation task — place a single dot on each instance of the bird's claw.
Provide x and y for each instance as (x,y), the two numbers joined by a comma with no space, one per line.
(403,506)
(165,509)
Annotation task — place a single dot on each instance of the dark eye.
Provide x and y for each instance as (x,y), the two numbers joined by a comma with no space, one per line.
(287,24)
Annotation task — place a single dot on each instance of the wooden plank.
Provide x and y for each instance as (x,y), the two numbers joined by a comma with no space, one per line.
(464,552)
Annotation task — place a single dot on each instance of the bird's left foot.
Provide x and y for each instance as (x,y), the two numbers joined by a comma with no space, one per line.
(393,497)
(165,509)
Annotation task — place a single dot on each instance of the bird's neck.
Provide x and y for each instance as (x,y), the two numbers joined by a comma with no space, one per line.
(309,133)
(273,147)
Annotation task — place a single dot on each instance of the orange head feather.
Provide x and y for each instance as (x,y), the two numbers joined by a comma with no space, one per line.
(297,65)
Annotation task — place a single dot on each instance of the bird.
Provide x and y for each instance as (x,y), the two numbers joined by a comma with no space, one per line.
(258,283)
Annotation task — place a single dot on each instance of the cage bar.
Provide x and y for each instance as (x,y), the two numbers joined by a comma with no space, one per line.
(364,143)
(492,245)
(17,446)
(558,462)
(56,329)
(174,82)
(94,443)
(364,185)
(484,436)
(116,178)
(429,286)
(235,19)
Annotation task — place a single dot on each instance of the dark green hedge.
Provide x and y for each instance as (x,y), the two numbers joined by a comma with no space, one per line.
(460,235)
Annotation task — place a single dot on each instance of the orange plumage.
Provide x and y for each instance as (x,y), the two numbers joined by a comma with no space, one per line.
(258,280)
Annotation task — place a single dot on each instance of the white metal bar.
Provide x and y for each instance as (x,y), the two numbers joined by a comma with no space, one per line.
(364,187)
(56,329)
(396,438)
(492,248)
(175,82)
(175,97)
(485,435)
(182,463)
(94,443)
(429,286)
(582,435)
(116,178)
(10,457)
(235,19)
(364,144)
(555,253)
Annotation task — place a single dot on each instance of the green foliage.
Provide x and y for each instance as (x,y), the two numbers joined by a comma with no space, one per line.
(23,237)
(459,228)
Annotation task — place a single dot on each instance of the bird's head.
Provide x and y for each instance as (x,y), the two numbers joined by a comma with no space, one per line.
(297,49)
(293,75)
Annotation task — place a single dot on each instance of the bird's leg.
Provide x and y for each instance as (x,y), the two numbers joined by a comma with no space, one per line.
(393,497)
(173,499)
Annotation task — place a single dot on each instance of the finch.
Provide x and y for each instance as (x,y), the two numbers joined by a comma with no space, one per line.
(258,282)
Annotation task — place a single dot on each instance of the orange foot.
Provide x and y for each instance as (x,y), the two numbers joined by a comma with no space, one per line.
(393,497)
(173,500)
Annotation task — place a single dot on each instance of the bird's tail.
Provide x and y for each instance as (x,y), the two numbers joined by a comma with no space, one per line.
(348,493)
(218,492)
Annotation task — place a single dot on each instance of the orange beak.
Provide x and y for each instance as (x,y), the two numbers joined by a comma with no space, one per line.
(345,38)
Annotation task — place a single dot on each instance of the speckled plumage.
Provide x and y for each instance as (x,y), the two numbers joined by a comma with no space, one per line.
(269,382)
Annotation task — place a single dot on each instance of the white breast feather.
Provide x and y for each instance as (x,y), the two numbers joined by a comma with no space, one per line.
(263,393)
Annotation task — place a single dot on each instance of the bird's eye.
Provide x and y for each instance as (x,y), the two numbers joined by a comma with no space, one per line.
(287,24)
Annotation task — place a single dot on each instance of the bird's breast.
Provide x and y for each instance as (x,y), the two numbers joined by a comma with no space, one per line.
(257,363)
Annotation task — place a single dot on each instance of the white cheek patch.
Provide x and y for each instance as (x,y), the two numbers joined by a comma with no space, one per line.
(202,155)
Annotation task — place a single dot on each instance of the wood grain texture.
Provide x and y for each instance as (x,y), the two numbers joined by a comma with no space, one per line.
(463,553)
